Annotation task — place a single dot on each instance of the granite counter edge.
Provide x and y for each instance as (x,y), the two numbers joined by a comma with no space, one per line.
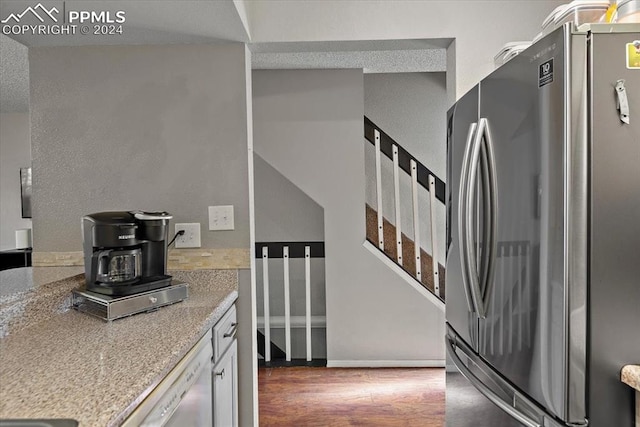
(630,375)
(211,320)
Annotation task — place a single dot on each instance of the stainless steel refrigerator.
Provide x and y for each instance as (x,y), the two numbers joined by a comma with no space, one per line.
(543,235)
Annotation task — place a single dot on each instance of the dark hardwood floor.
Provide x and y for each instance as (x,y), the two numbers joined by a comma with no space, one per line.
(332,397)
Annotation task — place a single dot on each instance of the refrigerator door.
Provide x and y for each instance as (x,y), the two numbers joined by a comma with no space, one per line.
(524,332)
(614,291)
(462,124)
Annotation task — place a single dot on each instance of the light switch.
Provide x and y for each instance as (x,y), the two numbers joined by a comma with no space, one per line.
(221,218)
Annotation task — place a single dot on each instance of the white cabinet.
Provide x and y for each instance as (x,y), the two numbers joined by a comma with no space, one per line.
(225,388)
(225,371)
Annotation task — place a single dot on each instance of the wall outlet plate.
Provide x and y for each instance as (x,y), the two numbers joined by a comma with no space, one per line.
(221,218)
(191,236)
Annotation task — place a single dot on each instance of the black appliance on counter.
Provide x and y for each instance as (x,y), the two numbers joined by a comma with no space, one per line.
(15,258)
(125,253)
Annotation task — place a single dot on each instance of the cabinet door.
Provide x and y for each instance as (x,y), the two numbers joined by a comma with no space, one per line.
(225,389)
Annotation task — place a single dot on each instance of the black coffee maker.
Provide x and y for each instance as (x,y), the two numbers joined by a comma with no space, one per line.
(125,252)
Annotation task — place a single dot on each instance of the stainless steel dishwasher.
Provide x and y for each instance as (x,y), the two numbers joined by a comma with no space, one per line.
(184,396)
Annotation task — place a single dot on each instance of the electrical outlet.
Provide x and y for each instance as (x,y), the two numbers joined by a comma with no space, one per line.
(191,236)
(221,217)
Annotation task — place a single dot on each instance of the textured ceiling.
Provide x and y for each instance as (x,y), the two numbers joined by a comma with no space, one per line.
(206,21)
(375,56)
(14,76)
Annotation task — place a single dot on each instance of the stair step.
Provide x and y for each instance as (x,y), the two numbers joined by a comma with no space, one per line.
(276,352)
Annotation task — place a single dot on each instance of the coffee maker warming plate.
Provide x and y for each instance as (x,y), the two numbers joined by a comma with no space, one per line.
(111,308)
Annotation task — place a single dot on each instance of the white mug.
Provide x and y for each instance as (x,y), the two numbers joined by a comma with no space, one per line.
(23,238)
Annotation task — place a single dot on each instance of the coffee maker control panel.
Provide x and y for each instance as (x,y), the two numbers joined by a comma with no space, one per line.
(151,216)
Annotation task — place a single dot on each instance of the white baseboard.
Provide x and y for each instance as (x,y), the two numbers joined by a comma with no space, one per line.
(436,363)
(297,322)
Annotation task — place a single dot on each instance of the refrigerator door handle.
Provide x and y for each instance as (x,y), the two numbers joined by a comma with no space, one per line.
(507,407)
(492,193)
(486,223)
(462,225)
(469,247)
(481,153)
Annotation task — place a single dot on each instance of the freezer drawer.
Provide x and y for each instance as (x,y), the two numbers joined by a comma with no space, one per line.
(477,395)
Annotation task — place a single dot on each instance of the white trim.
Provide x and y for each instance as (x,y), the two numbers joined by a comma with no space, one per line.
(429,363)
(297,322)
(403,274)
(252,242)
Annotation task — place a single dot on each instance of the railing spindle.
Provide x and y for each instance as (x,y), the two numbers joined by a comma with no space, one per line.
(416,219)
(376,134)
(265,287)
(287,304)
(434,238)
(307,282)
(396,190)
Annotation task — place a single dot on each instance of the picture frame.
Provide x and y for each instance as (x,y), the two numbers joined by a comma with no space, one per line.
(25,191)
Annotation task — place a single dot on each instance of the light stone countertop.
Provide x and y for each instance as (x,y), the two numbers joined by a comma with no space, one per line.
(631,376)
(56,362)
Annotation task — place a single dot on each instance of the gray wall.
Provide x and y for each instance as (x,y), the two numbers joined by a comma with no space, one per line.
(15,153)
(138,127)
(411,108)
(283,211)
(14,76)
(308,125)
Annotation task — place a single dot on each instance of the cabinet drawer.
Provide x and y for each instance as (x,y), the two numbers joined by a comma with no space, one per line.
(224,332)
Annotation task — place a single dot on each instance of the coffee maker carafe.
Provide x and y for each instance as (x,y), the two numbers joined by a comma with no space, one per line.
(125,252)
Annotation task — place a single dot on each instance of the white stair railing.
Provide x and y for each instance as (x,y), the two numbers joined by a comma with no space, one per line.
(287,304)
(266,293)
(379,191)
(420,177)
(396,198)
(416,219)
(434,233)
(287,251)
